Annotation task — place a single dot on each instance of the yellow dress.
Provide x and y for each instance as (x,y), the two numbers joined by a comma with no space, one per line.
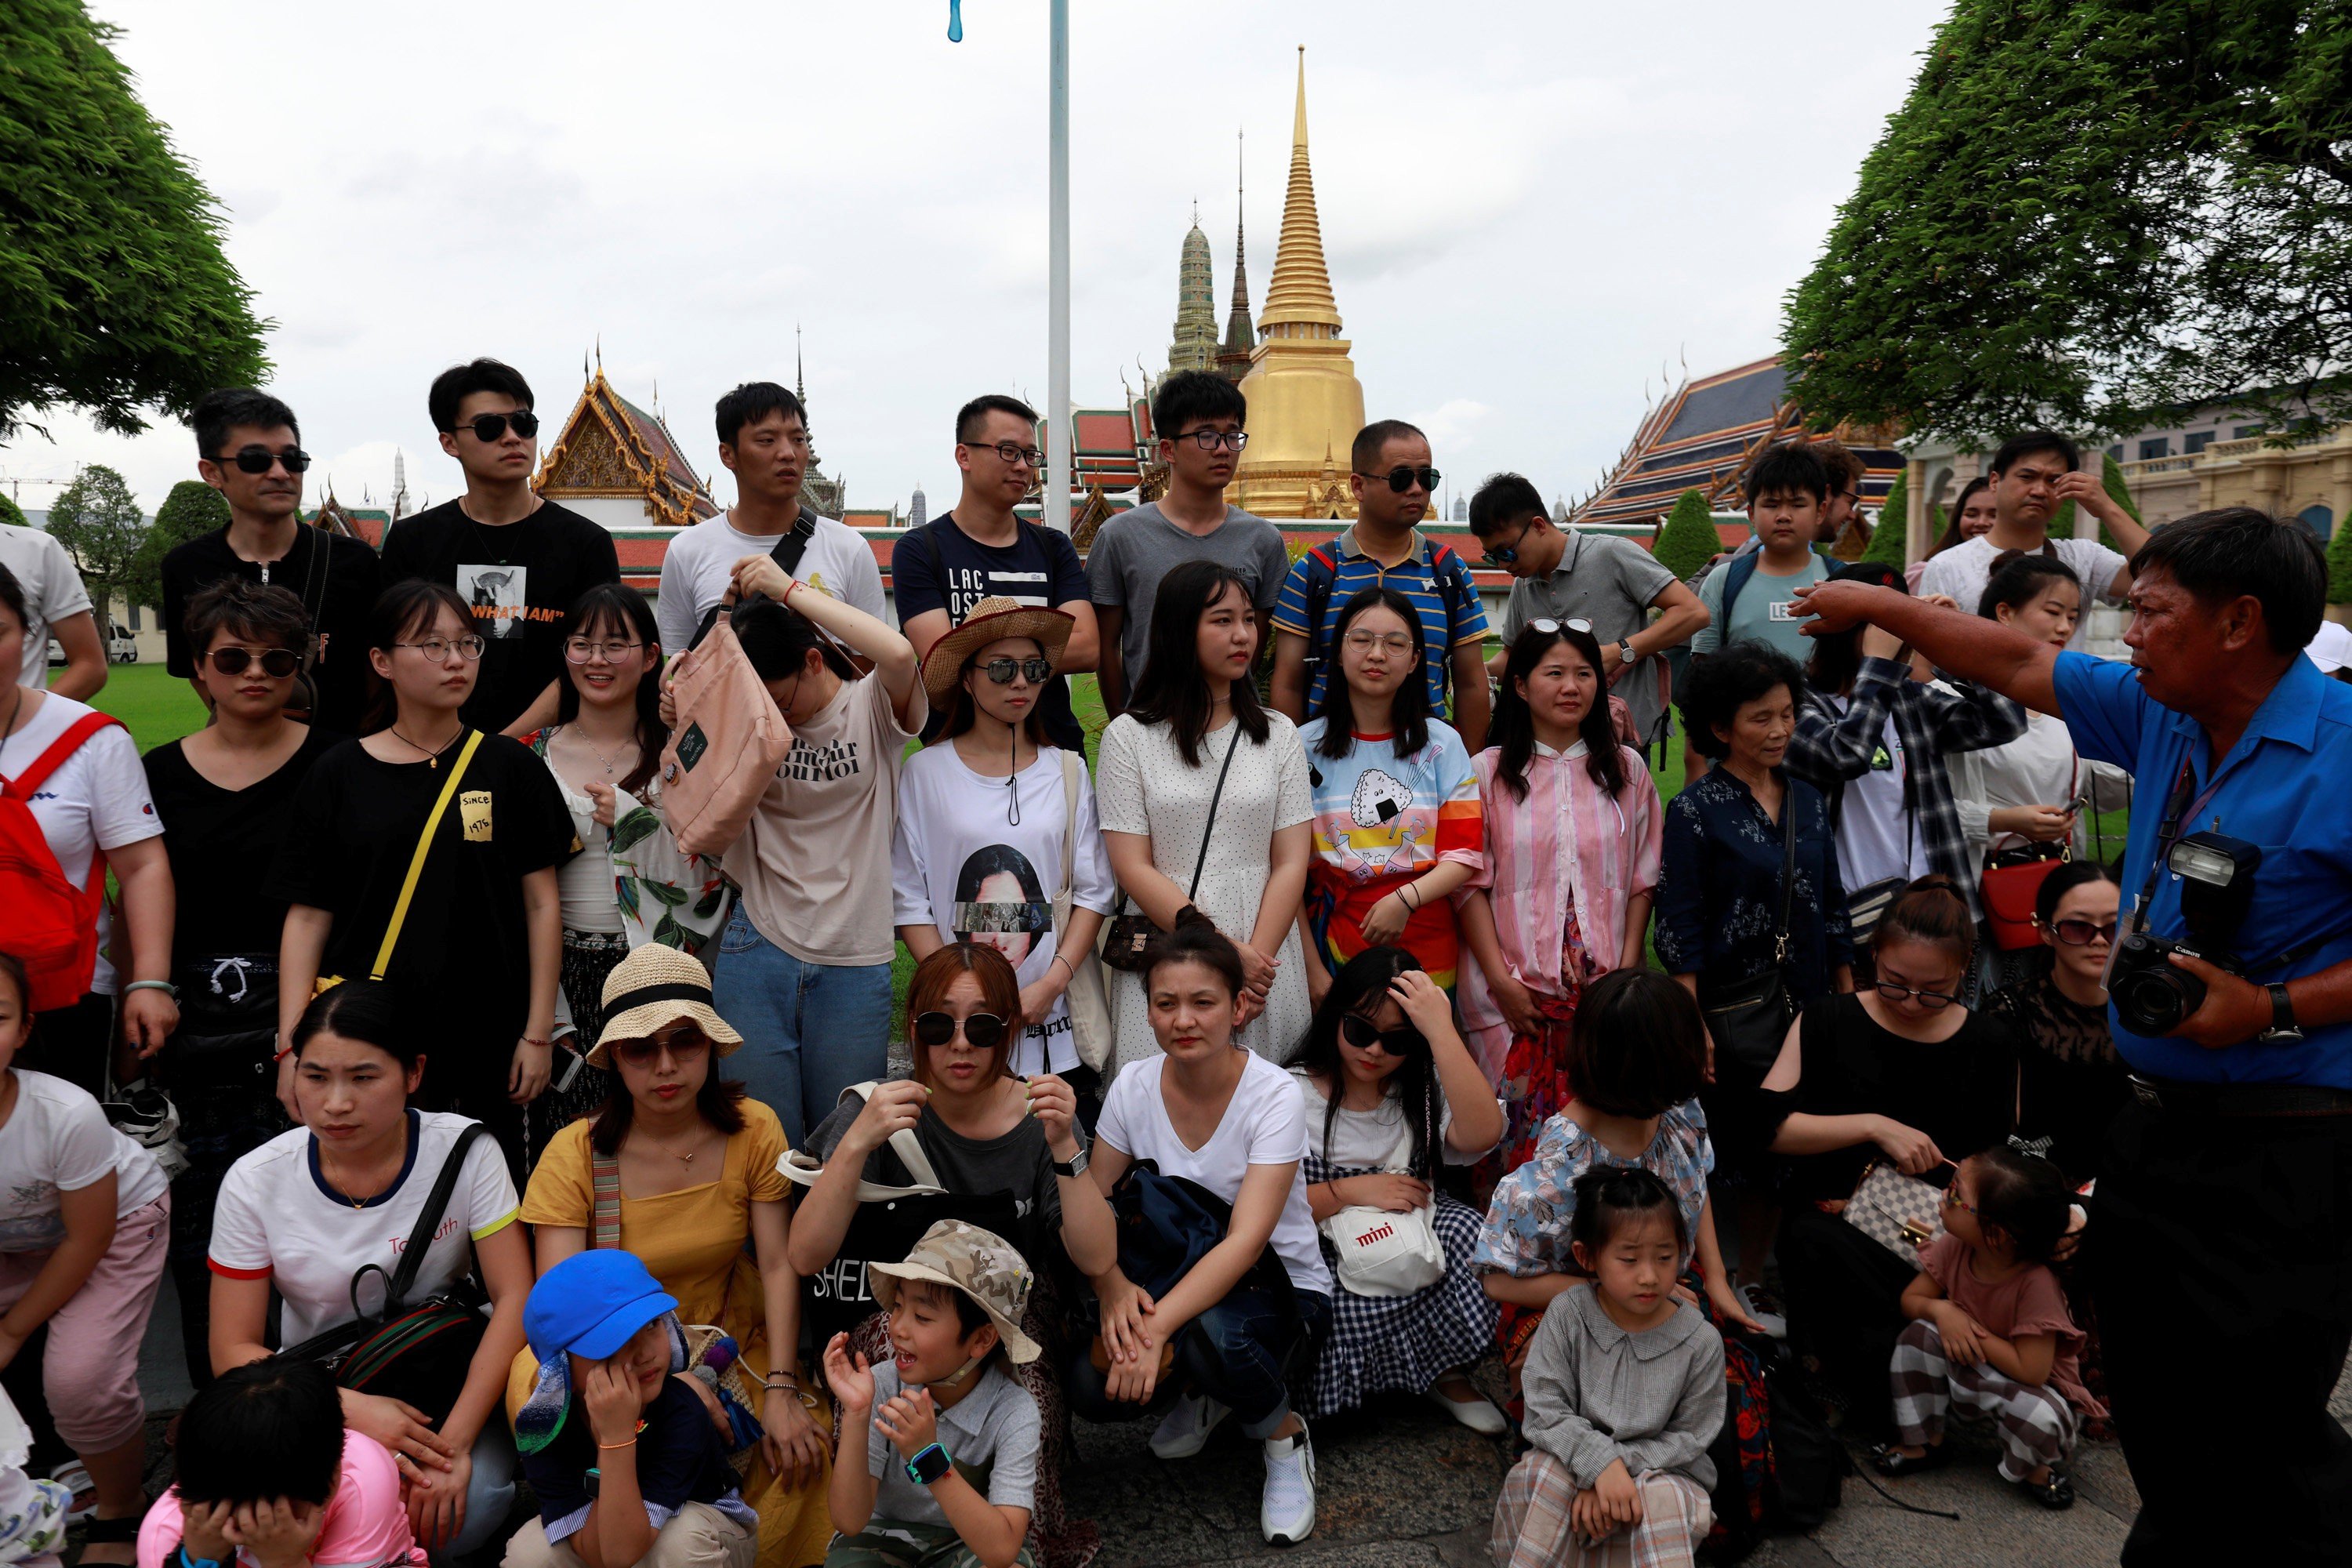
(692,1241)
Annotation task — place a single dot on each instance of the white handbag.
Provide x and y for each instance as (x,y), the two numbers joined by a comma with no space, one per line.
(1385,1254)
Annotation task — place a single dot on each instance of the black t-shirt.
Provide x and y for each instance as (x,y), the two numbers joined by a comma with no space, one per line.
(222,844)
(679,1458)
(462,964)
(521,580)
(1040,567)
(1961,1092)
(1018,1164)
(337,587)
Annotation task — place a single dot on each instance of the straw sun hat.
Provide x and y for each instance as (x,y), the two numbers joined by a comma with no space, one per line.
(653,986)
(991,620)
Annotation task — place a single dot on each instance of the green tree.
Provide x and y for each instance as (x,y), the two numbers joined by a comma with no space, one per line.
(1688,539)
(2088,212)
(96,518)
(12,514)
(114,292)
(1888,544)
(193,510)
(2111,480)
(2339,564)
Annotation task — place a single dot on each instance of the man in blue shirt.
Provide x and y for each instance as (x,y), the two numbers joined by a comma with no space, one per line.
(2220,1251)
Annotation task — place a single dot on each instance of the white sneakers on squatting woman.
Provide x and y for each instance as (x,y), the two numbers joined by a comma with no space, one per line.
(1184,1430)
(1285,1511)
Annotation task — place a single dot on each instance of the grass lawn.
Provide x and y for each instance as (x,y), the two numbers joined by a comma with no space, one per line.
(156,707)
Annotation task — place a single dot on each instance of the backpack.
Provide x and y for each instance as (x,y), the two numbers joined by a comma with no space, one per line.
(45,920)
(787,555)
(1319,594)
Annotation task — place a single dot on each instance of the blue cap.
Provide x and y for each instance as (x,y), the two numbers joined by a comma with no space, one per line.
(591,1303)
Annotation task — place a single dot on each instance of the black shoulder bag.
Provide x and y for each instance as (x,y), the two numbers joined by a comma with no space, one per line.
(1749,1021)
(1128,931)
(786,554)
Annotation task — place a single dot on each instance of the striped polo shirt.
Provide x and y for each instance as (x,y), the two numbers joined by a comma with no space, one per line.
(1433,579)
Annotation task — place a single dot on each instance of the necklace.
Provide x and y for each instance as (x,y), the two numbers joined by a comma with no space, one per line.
(581,737)
(687,1158)
(432,753)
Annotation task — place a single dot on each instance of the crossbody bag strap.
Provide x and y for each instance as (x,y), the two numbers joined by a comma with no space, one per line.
(437,1203)
(1211,826)
(423,849)
(604,1199)
(1787,869)
(1070,766)
(314,577)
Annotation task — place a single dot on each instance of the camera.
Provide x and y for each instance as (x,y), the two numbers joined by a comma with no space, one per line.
(2151,996)
(2216,874)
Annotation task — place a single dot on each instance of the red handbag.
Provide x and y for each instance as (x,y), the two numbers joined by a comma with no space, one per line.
(2009,894)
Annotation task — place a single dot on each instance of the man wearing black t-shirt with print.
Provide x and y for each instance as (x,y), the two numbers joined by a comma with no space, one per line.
(981,551)
(518,560)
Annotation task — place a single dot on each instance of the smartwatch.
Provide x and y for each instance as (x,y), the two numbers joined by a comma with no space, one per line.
(930,1465)
(2282,1026)
(1076,1165)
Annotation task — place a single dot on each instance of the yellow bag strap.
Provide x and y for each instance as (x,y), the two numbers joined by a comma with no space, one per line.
(424,847)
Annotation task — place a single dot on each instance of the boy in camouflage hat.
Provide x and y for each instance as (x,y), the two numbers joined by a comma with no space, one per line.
(937,1466)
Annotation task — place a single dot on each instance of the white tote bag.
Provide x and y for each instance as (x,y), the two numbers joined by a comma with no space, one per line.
(1385,1254)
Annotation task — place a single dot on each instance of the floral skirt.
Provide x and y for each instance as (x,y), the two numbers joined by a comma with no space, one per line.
(588,957)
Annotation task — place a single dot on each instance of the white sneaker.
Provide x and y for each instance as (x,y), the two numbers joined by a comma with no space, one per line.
(1184,1430)
(1479,1415)
(1761,1307)
(1286,1513)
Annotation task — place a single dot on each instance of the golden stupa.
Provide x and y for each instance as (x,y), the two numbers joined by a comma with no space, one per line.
(1305,403)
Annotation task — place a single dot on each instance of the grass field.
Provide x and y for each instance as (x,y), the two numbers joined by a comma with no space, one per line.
(156,707)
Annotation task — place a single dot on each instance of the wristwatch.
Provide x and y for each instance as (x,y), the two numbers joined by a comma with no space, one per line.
(930,1465)
(2283,1026)
(1076,1165)
(1625,651)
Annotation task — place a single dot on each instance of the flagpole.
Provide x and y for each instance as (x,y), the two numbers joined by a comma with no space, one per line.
(1057,307)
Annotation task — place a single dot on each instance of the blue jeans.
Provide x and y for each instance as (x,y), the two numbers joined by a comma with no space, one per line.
(490,1493)
(1238,1352)
(809,1030)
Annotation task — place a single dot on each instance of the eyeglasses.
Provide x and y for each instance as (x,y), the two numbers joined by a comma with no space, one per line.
(437,648)
(1509,554)
(277,663)
(684,1047)
(1550,627)
(2082,934)
(1012,452)
(1003,670)
(1401,479)
(1359,1032)
(1364,642)
(256,459)
(982,1031)
(492,426)
(1210,440)
(580,650)
(1934,1001)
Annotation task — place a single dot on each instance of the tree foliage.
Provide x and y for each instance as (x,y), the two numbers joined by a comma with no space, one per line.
(193,510)
(114,292)
(96,518)
(2339,564)
(10,512)
(1688,539)
(1887,544)
(2090,212)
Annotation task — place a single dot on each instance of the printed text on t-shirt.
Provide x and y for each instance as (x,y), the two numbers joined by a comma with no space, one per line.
(810,765)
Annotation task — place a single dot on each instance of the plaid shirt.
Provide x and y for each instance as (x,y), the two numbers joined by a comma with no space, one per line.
(1830,749)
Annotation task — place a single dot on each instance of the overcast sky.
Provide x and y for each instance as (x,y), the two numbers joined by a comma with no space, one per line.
(1529,209)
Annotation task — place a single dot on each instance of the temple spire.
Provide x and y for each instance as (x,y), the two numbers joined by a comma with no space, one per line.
(1193,345)
(1241,332)
(1300,293)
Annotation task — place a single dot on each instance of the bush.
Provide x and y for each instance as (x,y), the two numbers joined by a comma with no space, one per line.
(1886,545)
(1688,541)
(2339,564)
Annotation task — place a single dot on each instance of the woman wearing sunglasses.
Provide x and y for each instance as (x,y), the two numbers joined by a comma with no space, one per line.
(469,931)
(1898,1072)
(1382,1073)
(1006,1153)
(691,1164)
(996,831)
(2070,1083)
(224,795)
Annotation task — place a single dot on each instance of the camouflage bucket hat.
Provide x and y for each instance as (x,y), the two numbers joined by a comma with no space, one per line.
(980,1263)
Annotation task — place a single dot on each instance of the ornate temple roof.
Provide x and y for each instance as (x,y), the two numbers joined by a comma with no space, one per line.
(1300,292)
(609,446)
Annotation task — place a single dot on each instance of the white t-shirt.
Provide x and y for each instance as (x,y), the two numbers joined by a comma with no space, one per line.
(1264,1125)
(53,590)
(276,1220)
(59,1140)
(958,865)
(1963,571)
(97,799)
(1363,1140)
(702,561)
(1876,838)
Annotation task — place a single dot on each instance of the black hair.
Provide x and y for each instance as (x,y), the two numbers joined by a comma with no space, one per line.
(1172,690)
(1191,395)
(1638,1048)
(1609,1197)
(11,594)
(997,860)
(1359,988)
(973,414)
(1195,940)
(1951,534)
(619,605)
(1407,708)
(11,970)
(1930,910)
(1836,661)
(1365,449)
(1788,468)
(271,1428)
(2017,579)
(224,408)
(777,640)
(720,1100)
(263,612)
(2073,874)
(1841,464)
(1503,500)
(1723,683)
(962,709)
(367,1011)
(2027,1197)
(2236,552)
(1513,728)
(753,402)
(2026,443)
(459,382)
(409,605)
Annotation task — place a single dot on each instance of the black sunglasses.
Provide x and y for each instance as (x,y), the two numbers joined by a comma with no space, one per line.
(1359,1033)
(1509,554)
(492,426)
(986,1031)
(277,663)
(2082,934)
(1401,477)
(1003,670)
(256,459)
(683,1046)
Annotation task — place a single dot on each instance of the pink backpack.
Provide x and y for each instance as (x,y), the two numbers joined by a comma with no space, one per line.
(725,748)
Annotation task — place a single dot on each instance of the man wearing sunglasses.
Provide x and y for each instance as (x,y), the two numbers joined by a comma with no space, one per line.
(1612,584)
(983,550)
(518,560)
(250,448)
(1198,416)
(1392,476)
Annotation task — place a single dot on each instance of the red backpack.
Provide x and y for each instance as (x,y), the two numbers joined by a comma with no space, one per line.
(46,921)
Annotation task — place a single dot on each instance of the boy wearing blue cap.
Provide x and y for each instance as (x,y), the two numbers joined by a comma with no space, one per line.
(627,1465)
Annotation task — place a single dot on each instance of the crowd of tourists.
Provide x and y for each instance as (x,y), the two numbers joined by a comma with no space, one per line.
(533,1184)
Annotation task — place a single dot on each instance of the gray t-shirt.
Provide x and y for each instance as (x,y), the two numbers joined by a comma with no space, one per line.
(992,1434)
(1134,549)
(1766,610)
(1610,583)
